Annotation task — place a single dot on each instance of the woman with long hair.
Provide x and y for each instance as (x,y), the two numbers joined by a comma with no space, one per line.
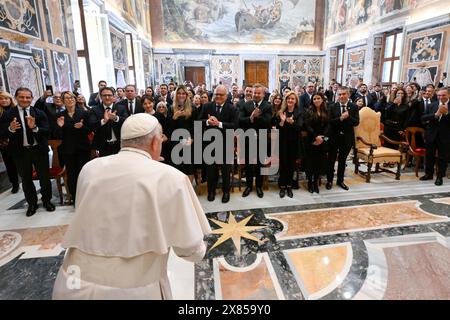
(276,101)
(396,117)
(289,122)
(6,103)
(182,118)
(72,128)
(316,122)
(149,92)
(415,106)
(204,97)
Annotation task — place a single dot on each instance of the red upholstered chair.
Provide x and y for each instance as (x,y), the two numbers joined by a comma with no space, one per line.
(418,153)
(56,172)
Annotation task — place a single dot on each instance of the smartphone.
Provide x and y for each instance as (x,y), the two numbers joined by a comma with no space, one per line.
(47,87)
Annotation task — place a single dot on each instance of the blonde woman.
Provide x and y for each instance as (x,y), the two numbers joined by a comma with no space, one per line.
(6,103)
(182,118)
(289,122)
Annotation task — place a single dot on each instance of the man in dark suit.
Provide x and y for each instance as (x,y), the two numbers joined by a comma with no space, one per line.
(437,136)
(331,94)
(248,96)
(257,115)
(164,96)
(305,99)
(106,121)
(234,93)
(377,94)
(95,98)
(51,110)
(344,116)
(131,103)
(219,115)
(364,94)
(27,129)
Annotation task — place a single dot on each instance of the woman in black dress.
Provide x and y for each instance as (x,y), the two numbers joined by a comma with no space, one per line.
(396,118)
(182,118)
(7,102)
(72,129)
(316,123)
(289,122)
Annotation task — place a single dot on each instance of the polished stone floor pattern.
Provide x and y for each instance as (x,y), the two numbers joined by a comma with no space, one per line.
(384,240)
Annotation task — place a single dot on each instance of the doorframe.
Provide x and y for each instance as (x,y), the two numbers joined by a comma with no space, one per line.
(195,63)
(272,59)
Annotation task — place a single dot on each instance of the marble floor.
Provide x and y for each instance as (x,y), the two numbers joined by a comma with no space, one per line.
(386,239)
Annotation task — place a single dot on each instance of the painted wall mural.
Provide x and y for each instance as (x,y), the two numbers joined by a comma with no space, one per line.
(356,58)
(56,22)
(22,64)
(20,16)
(240,21)
(298,70)
(63,73)
(426,48)
(424,55)
(119,54)
(225,70)
(343,15)
(166,68)
(135,12)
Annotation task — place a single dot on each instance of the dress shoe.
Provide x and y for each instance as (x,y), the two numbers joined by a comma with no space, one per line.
(259,192)
(329,185)
(49,206)
(282,193)
(316,187)
(289,192)
(342,185)
(15,188)
(438,181)
(211,196)
(310,187)
(426,177)
(247,192)
(31,209)
(226,197)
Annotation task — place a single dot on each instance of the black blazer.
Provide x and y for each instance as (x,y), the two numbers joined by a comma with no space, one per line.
(100,132)
(346,127)
(92,102)
(73,139)
(262,122)
(305,102)
(228,116)
(375,98)
(370,101)
(434,127)
(15,146)
(138,108)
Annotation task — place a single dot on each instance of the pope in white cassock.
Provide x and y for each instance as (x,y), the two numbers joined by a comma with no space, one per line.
(130,210)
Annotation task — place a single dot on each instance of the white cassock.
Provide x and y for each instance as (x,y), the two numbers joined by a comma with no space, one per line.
(130,210)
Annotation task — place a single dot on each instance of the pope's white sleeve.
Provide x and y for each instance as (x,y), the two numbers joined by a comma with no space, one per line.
(192,254)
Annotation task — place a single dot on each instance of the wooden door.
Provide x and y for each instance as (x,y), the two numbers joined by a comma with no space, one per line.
(194,74)
(257,72)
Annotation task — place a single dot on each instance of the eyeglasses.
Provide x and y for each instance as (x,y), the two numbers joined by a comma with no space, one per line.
(220,94)
(56,97)
(107,95)
(69,98)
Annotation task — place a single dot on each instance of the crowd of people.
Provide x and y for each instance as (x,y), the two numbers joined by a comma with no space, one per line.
(315,126)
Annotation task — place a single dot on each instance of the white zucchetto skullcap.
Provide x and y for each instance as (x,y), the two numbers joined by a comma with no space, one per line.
(138,125)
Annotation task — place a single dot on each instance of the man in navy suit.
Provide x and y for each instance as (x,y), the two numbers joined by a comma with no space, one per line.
(95,98)
(27,129)
(132,103)
(219,115)
(305,99)
(437,136)
(344,116)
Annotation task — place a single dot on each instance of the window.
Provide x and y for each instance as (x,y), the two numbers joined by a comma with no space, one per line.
(340,64)
(392,48)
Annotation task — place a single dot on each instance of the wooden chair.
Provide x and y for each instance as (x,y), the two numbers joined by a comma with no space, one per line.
(369,149)
(56,172)
(410,135)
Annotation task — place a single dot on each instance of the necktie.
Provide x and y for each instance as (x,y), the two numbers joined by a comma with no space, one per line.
(108,129)
(130,107)
(344,107)
(28,131)
(365,101)
(426,105)
(378,96)
(218,109)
